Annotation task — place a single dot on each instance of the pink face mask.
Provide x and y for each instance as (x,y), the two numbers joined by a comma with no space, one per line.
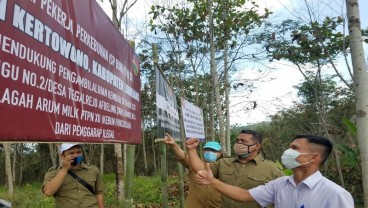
(242,150)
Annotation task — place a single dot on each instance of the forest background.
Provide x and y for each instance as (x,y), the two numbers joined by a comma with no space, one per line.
(214,53)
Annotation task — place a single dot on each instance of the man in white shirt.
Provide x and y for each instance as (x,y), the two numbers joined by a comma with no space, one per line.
(307,188)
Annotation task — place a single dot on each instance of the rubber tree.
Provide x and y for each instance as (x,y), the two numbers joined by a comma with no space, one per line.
(119,11)
(310,44)
(204,21)
(8,169)
(360,87)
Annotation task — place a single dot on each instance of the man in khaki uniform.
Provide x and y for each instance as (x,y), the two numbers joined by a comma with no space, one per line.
(249,169)
(68,192)
(199,196)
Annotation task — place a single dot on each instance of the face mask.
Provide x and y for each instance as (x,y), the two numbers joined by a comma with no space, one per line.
(242,150)
(77,160)
(288,159)
(209,156)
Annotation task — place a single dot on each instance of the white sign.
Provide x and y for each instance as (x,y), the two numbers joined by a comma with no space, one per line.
(193,120)
(167,108)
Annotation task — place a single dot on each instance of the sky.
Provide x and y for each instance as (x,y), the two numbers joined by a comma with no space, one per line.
(276,91)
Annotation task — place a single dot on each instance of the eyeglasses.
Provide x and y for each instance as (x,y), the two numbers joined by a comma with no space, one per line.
(243,142)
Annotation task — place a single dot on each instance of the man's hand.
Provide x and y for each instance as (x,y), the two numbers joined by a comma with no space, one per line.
(191,143)
(67,161)
(169,140)
(204,176)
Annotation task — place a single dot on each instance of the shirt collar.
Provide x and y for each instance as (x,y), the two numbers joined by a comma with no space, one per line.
(257,159)
(83,165)
(313,179)
(310,181)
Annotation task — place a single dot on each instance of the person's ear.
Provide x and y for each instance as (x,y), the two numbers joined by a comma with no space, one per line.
(258,146)
(219,154)
(316,157)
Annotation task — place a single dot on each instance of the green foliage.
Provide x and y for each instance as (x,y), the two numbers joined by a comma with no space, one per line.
(28,195)
(303,118)
(351,127)
(190,22)
(365,35)
(317,92)
(286,171)
(147,192)
(311,42)
(350,155)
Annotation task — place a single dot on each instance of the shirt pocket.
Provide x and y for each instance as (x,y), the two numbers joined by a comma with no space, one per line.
(91,181)
(256,179)
(68,184)
(226,175)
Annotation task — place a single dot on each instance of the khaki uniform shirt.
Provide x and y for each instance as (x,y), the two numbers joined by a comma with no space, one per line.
(200,196)
(73,194)
(248,175)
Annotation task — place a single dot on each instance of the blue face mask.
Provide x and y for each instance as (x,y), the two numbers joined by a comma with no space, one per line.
(77,160)
(209,156)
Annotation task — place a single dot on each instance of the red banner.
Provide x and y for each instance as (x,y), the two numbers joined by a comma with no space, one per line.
(66,74)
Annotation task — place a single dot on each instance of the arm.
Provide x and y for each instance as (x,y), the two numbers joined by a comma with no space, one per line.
(194,161)
(99,188)
(178,152)
(54,184)
(100,201)
(206,177)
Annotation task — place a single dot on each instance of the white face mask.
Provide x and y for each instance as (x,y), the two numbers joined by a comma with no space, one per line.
(288,159)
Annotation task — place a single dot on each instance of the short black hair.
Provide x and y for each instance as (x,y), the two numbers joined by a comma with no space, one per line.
(326,143)
(256,137)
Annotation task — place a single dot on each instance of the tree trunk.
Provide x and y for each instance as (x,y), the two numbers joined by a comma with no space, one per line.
(129,159)
(360,87)
(14,163)
(144,150)
(117,147)
(180,166)
(53,153)
(114,16)
(119,173)
(21,166)
(215,79)
(125,158)
(154,154)
(163,157)
(8,169)
(227,85)
(164,184)
(102,155)
(212,117)
(322,116)
(129,179)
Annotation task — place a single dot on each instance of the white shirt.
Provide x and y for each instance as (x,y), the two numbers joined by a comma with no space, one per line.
(315,191)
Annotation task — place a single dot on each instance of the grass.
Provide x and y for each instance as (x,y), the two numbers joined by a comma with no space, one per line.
(146,193)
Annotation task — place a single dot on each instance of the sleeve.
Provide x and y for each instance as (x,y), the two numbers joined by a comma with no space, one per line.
(51,173)
(215,168)
(99,187)
(278,172)
(184,161)
(264,194)
(341,200)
